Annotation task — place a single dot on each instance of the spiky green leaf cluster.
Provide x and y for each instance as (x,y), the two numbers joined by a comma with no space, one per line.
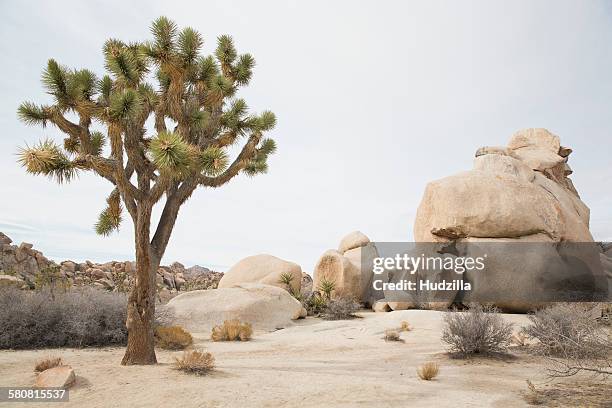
(126,62)
(32,114)
(170,153)
(47,158)
(110,218)
(213,161)
(125,105)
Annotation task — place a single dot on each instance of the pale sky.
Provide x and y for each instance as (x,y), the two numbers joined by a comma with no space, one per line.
(373,99)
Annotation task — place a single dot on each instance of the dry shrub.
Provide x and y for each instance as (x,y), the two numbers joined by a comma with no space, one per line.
(428,371)
(172,338)
(481,330)
(79,317)
(47,363)
(232,330)
(196,362)
(571,339)
(340,309)
(392,335)
(404,326)
(567,330)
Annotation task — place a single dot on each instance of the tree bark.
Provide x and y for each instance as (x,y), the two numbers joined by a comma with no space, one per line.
(141,302)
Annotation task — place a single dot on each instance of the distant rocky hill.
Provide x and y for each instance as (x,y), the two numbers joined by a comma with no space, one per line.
(22,264)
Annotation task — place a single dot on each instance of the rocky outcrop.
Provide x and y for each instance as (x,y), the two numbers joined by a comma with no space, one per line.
(519,191)
(516,194)
(21,264)
(265,307)
(349,268)
(21,261)
(266,269)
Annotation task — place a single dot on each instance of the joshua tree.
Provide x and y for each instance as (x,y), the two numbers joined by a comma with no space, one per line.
(196,118)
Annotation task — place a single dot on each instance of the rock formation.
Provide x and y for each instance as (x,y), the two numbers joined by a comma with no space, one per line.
(266,269)
(265,307)
(515,194)
(350,268)
(20,265)
(21,261)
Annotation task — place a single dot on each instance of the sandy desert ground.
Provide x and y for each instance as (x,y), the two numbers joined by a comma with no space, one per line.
(312,364)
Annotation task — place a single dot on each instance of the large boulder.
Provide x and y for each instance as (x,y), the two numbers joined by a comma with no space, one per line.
(265,307)
(517,194)
(346,276)
(353,240)
(266,269)
(350,268)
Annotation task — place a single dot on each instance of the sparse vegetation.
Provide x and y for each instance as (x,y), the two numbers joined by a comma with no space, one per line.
(392,335)
(327,286)
(340,309)
(404,326)
(286,278)
(172,338)
(232,330)
(196,362)
(480,330)
(47,363)
(566,329)
(428,371)
(572,340)
(78,318)
(50,278)
(315,304)
(533,396)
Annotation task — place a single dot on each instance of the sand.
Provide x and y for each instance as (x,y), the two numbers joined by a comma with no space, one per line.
(314,363)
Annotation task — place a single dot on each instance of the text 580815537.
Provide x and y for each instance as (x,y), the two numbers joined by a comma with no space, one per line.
(15,394)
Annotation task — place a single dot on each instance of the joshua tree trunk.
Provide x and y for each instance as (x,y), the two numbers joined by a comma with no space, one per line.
(141,302)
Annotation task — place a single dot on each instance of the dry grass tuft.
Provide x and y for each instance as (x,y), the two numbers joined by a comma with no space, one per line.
(48,363)
(533,396)
(196,362)
(232,330)
(404,326)
(428,371)
(172,338)
(392,335)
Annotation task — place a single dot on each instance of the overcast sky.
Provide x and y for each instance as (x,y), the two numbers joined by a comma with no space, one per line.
(373,99)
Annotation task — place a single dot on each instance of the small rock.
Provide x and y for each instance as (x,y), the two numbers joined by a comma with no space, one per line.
(4,239)
(381,307)
(56,377)
(9,280)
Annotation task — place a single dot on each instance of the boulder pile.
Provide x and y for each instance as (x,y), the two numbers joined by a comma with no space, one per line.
(516,194)
(21,264)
